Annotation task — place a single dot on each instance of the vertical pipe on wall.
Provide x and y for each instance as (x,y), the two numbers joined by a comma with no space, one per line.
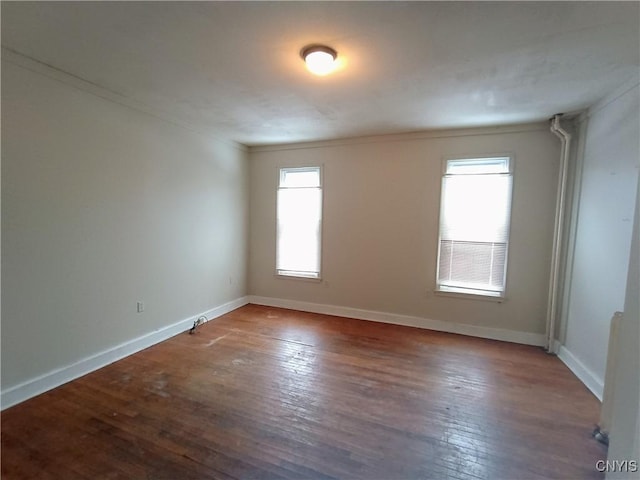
(552,305)
(574,187)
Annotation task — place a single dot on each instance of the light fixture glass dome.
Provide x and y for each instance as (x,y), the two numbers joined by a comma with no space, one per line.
(320,60)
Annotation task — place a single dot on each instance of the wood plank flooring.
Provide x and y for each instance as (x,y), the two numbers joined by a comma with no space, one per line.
(266,393)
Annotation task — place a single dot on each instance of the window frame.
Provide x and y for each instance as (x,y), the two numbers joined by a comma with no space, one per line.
(461,292)
(293,274)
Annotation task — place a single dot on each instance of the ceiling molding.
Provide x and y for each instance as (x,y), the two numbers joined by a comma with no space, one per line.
(16,58)
(403,137)
(403,66)
(627,86)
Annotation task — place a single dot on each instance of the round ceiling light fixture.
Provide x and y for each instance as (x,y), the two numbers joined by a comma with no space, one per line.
(320,59)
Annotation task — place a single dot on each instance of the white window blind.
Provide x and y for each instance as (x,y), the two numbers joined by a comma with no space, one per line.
(299,222)
(474,226)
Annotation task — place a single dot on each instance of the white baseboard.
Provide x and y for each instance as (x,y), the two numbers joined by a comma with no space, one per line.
(513,336)
(586,376)
(55,378)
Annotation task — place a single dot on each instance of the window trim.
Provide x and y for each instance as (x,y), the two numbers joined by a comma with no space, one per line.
(454,292)
(469,296)
(291,274)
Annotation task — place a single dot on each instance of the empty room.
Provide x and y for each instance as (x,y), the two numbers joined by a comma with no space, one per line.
(320,240)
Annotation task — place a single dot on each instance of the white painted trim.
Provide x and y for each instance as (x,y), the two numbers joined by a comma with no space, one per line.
(403,137)
(555,347)
(513,336)
(21,60)
(586,376)
(623,89)
(60,376)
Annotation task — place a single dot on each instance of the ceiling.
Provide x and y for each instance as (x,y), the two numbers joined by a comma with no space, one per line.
(233,68)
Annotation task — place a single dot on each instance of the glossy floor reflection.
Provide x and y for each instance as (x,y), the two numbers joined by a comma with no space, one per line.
(271,393)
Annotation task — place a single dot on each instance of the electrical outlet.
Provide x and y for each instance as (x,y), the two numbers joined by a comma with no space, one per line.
(140,307)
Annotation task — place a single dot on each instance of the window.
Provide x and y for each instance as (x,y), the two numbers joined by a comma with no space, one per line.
(299,222)
(475,212)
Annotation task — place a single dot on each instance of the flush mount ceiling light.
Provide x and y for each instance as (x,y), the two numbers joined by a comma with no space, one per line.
(320,59)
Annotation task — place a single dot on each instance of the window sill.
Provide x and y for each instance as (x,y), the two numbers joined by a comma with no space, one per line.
(298,277)
(469,296)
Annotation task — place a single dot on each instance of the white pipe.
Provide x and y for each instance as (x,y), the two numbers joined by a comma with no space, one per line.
(552,307)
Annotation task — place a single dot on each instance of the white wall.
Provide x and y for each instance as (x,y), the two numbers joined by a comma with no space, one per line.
(381,207)
(624,438)
(606,202)
(103,206)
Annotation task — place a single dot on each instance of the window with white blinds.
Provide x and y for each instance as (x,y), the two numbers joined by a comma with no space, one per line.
(475,213)
(299,222)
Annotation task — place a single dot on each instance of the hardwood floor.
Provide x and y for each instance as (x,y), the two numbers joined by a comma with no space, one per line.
(271,393)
